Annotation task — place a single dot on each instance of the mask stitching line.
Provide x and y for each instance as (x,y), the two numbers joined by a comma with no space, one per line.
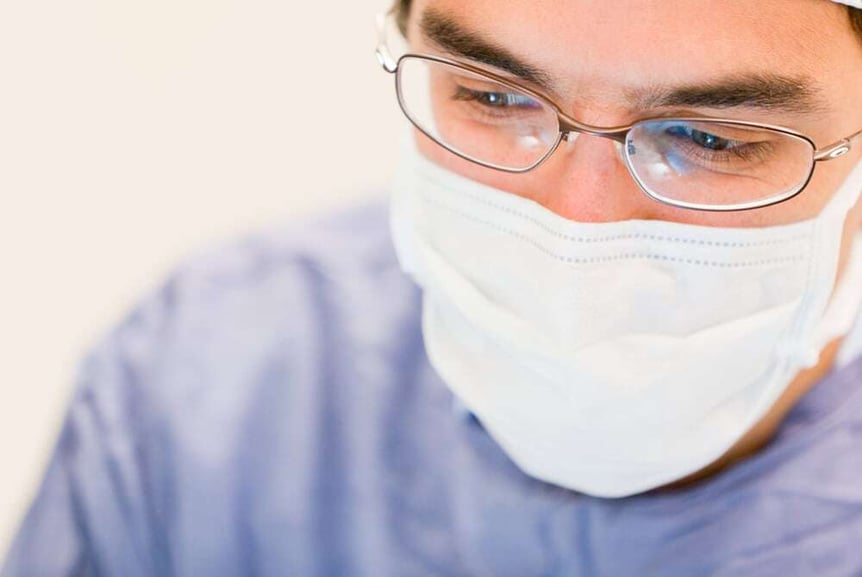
(585,240)
(622,256)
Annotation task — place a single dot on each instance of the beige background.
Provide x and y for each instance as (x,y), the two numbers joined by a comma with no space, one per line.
(133,132)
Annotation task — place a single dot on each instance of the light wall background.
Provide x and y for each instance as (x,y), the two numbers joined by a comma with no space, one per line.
(135,132)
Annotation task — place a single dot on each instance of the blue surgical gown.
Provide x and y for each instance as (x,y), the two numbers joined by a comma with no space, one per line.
(270,411)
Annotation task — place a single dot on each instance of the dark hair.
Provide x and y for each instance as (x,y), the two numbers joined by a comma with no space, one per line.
(404,12)
(855,18)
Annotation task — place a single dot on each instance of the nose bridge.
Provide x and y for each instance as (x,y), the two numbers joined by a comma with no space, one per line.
(571,139)
(592,182)
(593,154)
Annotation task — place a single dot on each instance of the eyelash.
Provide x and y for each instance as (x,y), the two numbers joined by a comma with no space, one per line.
(464,94)
(747,153)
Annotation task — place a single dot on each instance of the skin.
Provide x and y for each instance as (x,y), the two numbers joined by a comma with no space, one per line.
(601,51)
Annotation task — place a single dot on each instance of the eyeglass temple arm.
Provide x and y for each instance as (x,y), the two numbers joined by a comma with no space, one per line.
(384,57)
(837,149)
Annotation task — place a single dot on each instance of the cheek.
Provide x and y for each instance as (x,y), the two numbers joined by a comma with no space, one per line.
(828,177)
(826,180)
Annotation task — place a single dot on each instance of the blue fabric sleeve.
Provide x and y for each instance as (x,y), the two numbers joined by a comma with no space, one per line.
(50,542)
(151,468)
(93,514)
(89,483)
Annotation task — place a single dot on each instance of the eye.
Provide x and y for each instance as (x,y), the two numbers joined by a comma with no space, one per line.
(496,99)
(701,138)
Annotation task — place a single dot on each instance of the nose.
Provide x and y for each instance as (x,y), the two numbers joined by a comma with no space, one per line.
(586,180)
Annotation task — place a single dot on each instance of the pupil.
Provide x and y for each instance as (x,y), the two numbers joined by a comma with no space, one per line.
(703,139)
(708,140)
(495,99)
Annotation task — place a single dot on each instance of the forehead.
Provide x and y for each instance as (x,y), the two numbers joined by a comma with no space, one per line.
(605,48)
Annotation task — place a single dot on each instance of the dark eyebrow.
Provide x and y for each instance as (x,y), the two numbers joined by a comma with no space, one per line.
(766,91)
(447,35)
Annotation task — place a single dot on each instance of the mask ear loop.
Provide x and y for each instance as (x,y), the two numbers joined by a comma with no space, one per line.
(844,306)
(826,229)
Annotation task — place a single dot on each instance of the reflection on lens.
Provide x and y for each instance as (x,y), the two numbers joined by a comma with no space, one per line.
(476,116)
(717,163)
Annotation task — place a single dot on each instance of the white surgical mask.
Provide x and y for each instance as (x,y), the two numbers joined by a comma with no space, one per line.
(613,358)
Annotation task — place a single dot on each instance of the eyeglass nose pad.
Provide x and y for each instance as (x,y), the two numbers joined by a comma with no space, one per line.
(570,138)
(621,150)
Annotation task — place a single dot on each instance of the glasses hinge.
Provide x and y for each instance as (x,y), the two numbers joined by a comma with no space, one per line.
(837,150)
(385,59)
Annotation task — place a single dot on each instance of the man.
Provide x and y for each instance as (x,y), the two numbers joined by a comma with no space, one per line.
(635,230)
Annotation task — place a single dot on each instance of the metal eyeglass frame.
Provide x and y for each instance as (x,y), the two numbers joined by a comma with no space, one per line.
(568,125)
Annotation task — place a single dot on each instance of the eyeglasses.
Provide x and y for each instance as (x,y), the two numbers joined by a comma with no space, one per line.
(708,164)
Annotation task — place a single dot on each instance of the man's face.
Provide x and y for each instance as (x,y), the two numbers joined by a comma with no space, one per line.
(604,57)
